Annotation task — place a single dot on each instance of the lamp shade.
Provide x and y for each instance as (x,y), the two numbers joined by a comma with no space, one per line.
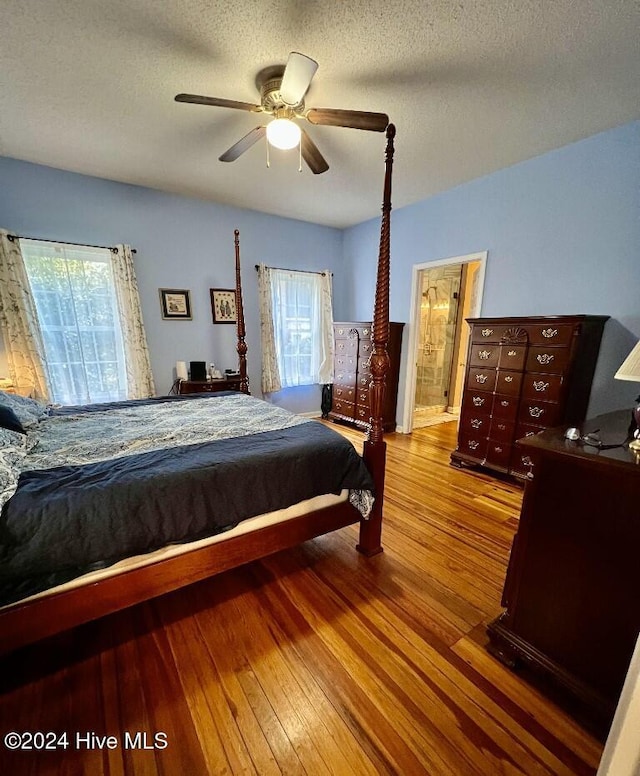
(181,370)
(630,369)
(283,134)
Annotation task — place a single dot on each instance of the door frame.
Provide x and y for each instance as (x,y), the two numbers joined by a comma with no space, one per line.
(414,324)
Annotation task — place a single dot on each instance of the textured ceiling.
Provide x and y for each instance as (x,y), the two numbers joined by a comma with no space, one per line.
(472,86)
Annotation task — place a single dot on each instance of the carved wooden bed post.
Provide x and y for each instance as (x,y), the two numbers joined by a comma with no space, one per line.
(375,448)
(242,345)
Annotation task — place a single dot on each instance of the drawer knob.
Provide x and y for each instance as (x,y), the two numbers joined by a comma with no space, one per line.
(481,379)
(512,353)
(498,449)
(536,412)
(508,379)
(484,354)
(478,401)
(487,332)
(476,422)
(549,333)
(539,385)
(505,402)
(501,426)
(544,358)
(473,444)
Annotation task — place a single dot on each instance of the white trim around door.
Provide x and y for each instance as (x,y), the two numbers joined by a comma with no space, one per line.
(414,332)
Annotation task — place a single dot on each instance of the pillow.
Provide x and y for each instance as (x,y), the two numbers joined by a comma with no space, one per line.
(12,453)
(29,411)
(9,420)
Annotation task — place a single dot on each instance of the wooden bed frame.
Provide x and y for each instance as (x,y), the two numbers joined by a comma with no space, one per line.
(31,621)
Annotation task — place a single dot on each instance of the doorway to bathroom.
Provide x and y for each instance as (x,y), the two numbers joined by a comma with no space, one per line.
(444,294)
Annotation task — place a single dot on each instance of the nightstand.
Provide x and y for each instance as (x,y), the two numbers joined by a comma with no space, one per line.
(231,383)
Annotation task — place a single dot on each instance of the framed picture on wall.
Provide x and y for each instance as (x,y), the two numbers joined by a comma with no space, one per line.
(175,304)
(223,305)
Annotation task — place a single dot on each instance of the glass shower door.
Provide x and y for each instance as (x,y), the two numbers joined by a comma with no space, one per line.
(438,317)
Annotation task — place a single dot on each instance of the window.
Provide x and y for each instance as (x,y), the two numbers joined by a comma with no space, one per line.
(301,308)
(74,293)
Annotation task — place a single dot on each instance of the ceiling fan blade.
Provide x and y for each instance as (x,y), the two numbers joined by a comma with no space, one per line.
(217,102)
(356,119)
(297,78)
(231,154)
(312,156)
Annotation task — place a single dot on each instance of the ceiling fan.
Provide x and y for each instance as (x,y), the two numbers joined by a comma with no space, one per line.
(282,91)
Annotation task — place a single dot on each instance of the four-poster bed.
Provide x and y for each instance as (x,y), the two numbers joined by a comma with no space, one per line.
(127,583)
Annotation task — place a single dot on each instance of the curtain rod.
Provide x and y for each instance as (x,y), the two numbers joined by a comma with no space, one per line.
(306,271)
(13,237)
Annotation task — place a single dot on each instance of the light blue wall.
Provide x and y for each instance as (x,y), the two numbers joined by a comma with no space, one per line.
(181,243)
(563,236)
(562,232)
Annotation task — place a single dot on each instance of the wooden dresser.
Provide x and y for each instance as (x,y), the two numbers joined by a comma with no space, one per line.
(523,375)
(571,590)
(231,383)
(352,375)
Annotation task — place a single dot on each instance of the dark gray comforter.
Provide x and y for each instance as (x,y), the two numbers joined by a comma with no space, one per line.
(68,519)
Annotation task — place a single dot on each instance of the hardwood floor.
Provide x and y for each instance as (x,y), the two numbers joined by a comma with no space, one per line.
(315,660)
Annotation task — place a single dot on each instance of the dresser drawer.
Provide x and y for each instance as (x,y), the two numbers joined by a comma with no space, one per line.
(477,401)
(550,334)
(508,382)
(552,360)
(474,445)
(346,347)
(344,378)
(481,379)
(366,349)
(362,396)
(344,392)
(501,430)
(345,362)
(505,407)
(526,430)
(475,423)
(539,412)
(346,408)
(484,355)
(488,332)
(362,413)
(521,462)
(498,454)
(364,367)
(512,357)
(542,386)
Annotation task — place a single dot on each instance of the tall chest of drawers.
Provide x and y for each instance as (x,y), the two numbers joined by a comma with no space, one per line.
(352,374)
(523,375)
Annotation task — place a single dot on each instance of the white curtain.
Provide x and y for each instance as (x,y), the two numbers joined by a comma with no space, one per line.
(138,364)
(296,324)
(325,367)
(19,322)
(270,370)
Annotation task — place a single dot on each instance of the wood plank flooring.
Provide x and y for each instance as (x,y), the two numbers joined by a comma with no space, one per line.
(315,660)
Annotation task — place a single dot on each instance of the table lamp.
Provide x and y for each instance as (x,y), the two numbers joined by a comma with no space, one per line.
(630,370)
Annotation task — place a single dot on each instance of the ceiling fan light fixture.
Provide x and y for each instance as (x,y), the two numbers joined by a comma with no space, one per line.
(283,134)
